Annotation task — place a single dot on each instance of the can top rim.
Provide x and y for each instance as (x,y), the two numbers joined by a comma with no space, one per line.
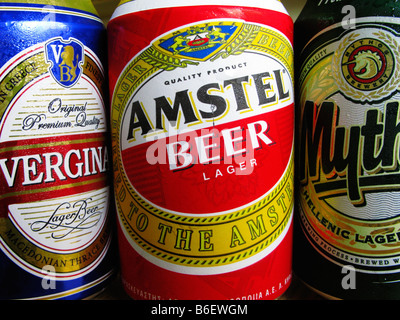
(132,6)
(86,6)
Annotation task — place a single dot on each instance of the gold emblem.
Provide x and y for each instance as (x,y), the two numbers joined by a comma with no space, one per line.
(367,64)
(366,68)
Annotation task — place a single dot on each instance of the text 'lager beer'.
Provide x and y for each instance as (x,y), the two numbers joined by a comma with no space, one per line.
(348,245)
(202,139)
(55,195)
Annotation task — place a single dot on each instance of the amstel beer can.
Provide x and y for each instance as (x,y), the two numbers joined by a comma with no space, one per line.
(55,194)
(348,243)
(202,138)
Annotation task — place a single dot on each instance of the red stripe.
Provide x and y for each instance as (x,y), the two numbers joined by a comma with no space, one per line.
(23,191)
(187,190)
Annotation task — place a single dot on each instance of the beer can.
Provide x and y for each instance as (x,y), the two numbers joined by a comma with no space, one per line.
(348,245)
(55,234)
(202,118)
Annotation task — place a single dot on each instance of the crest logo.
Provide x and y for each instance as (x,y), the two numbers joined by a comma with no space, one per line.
(366,68)
(66,60)
(368,64)
(199,42)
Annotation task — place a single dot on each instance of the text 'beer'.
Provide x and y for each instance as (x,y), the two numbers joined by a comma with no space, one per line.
(202,141)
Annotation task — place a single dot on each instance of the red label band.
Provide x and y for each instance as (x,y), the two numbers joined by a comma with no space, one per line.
(49,169)
(224,169)
(202,120)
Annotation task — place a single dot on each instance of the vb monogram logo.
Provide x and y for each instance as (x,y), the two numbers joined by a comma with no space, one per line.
(65,59)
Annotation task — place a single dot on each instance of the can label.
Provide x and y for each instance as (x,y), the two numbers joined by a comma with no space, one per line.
(53,161)
(349,152)
(203,146)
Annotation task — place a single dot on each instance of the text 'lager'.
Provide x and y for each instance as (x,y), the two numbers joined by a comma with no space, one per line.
(202,139)
(348,156)
(55,194)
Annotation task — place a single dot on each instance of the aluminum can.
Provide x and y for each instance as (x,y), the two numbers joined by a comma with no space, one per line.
(202,137)
(347,245)
(55,236)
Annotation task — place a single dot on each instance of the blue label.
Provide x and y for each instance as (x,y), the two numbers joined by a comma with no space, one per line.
(45,51)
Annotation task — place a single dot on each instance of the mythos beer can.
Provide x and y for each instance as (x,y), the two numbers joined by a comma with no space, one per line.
(348,245)
(202,136)
(54,200)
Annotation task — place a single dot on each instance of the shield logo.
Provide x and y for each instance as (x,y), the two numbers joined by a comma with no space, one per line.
(65,59)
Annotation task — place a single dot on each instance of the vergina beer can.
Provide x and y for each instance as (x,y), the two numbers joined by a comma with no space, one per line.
(202,138)
(55,235)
